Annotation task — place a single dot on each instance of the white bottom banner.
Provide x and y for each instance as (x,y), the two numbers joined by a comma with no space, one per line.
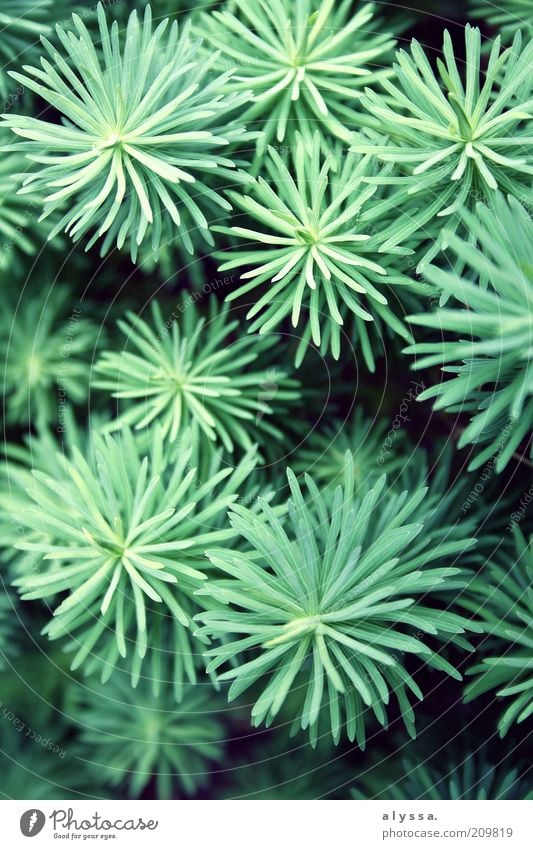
(267,824)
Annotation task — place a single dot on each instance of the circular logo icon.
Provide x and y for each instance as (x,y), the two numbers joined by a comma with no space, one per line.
(32,822)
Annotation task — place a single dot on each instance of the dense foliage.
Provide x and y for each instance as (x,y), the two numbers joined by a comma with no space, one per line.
(492,360)
(266,347)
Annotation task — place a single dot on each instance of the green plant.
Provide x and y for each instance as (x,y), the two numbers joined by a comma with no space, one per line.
(508,16)
(145,123)
(453,139)
(38,452)
(491,362)
(502,596)
(9,619)
(31,770)
(278,769)
(469,775)
(21,233)
(129,738)
(126,528)
(174,8)
(171,261)
(46,344)
(323,456)
(305,63)
(313,251)
(157,557)
(322,602)
(190,369)
(21,24)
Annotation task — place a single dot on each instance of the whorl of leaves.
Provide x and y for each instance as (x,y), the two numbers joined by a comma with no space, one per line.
(126,530)
(145,125)
(321,603)
(130,737)
(318,247)
(187,369)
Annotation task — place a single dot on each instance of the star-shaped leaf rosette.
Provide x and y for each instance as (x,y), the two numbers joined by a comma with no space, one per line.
(126,528)
(130,738)
(321,605)
(306,63)
(46,346)
(454,135)
(189,368)
(315,238)
(145,125)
